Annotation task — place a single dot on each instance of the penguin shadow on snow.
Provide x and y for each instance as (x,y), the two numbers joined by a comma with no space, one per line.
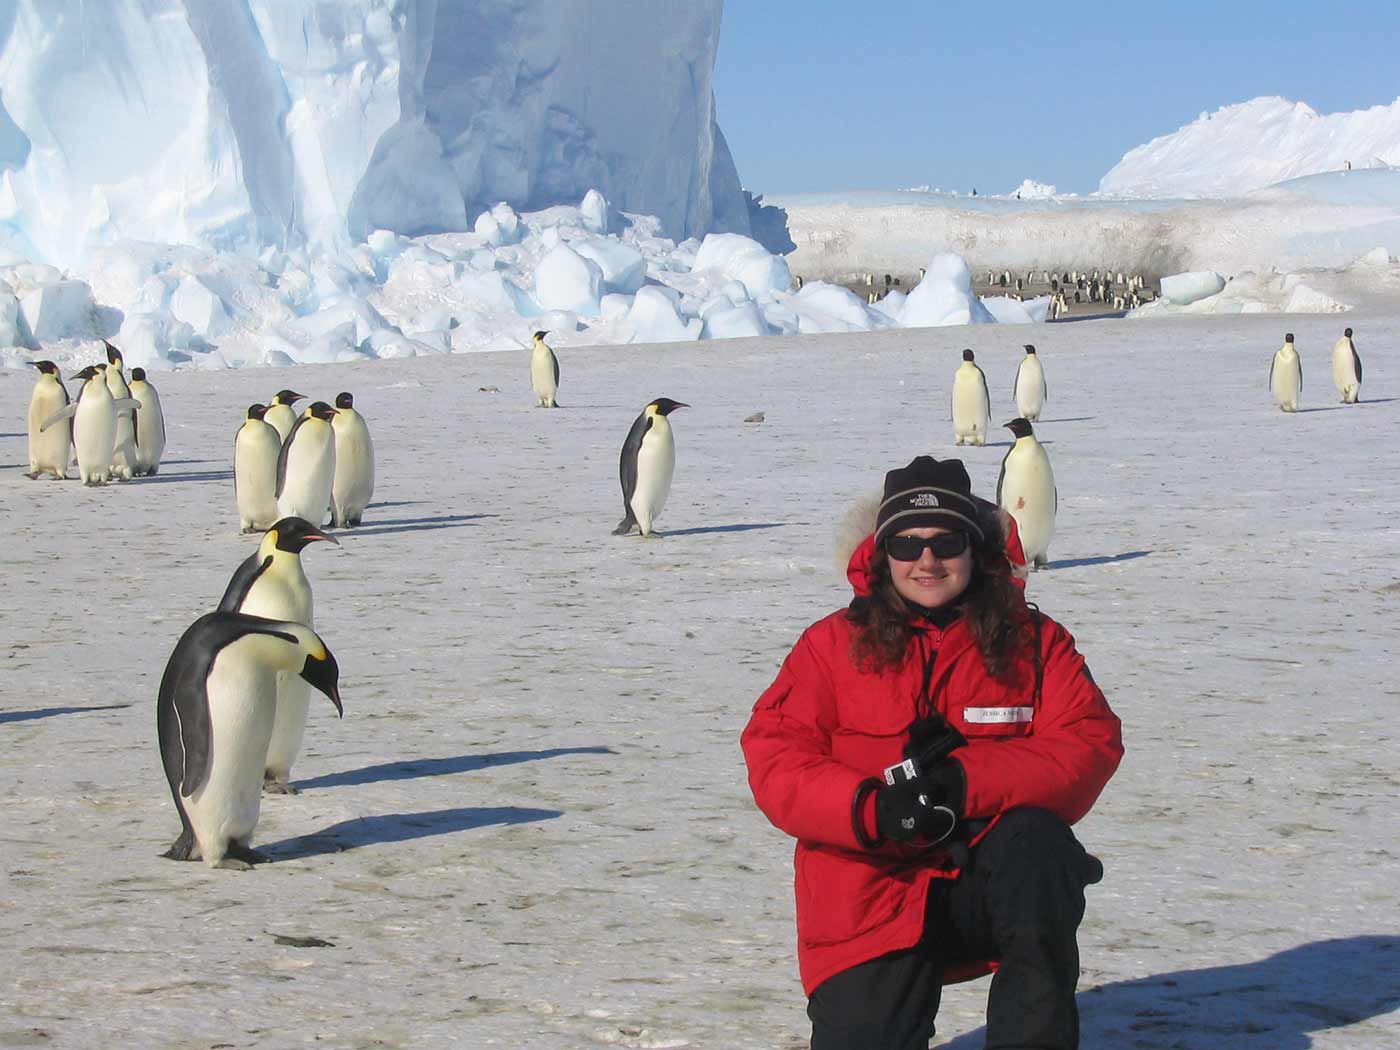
(396,503)
(1268,1004)
(704,529)
(1067,419)
(189,475)
(400,827)
(49,712)
(392,525)
(1102,559)
(411,769)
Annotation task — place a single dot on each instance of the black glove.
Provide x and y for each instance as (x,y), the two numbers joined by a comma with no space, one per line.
(913,811)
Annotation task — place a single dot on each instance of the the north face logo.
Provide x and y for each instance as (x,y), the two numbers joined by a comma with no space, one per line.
(924,499)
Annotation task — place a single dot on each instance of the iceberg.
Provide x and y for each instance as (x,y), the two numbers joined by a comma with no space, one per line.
(239,124)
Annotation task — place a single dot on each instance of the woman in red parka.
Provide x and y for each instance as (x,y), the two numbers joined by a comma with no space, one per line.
(959,859)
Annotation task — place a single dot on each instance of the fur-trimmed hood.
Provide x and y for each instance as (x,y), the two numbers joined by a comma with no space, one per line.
(855,540)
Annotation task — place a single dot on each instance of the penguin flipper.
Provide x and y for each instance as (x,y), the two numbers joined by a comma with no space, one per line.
(126,402)
(556,367)
(1272,361)
(1002,476)
(1356,361)
(627,462)
(242,582)
(282,455)
(65,412)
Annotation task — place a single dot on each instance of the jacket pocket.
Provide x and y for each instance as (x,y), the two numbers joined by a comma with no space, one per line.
(841,895)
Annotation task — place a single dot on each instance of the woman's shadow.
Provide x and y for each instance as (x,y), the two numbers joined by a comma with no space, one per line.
(1269,1004)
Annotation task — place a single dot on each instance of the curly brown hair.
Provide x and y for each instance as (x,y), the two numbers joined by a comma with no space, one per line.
(995,612)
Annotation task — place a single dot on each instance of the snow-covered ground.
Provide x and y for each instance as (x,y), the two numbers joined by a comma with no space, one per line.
(532,827)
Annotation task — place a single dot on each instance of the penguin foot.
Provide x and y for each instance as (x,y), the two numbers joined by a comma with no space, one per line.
(152,472)
(33,475)
(273,786)
(183,848)
(624,527)
(234,864)
(244,855)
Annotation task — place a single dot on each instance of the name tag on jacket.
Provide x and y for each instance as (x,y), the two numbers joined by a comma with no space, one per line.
(996,715)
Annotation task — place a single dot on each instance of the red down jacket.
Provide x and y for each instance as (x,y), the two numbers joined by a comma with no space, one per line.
(824,726)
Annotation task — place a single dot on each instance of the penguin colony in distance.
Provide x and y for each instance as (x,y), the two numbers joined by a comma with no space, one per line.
(971,403)
(306,466)
(1026,491)
(646,466)
(544,372)
(106,434)
(94,425)
(215,714)
(1286,375)
(1029,391)
(272,584)
(1346,369)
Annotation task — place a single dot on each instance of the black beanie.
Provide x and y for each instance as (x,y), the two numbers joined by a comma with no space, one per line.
(928,494)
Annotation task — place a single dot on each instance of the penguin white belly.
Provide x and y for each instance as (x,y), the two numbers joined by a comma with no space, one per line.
(94,437)
(241,710)
(150,431)
(1344,374)
(353,486)
(542,377)
(286,596)
(1030,389)
(255,475)
(48,452)
(306,489)
(656,464)
(1028,495)
(124,456)
(1287,381)
(970,409)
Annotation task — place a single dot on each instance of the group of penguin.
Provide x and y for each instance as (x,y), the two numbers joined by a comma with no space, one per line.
(1026,484)
(1286,372)
(114,429)
(302,466)
(232,706)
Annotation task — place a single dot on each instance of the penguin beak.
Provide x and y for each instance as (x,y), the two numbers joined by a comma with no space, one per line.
(334,694)
(312,537)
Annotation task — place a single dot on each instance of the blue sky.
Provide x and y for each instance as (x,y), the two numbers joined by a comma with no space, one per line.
(816,95)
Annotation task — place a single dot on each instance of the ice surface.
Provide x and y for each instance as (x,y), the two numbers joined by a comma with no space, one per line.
(1254,144)
(1183,288)
(944,296)
(532,829)
(244,123)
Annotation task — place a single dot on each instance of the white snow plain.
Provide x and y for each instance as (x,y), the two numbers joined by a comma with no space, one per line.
(532,827)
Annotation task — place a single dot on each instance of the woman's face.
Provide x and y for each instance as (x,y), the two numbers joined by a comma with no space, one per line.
(929,581)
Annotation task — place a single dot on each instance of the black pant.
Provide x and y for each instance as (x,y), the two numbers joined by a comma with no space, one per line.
(1019,899)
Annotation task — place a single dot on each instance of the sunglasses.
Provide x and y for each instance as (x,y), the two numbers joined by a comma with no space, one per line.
(911,548)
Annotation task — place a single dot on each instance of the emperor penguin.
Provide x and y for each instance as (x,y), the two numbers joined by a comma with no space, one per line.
(94,416)
(48,449)
(280,414)
(271,583)
(306,466)
(256,449)
(971,403)
(214,719)
(1286,375)
(648,461)
(1346,369)
(544,372)
(1026,491)
(353,485)
(150,424)
(124,445)
(1030,391)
